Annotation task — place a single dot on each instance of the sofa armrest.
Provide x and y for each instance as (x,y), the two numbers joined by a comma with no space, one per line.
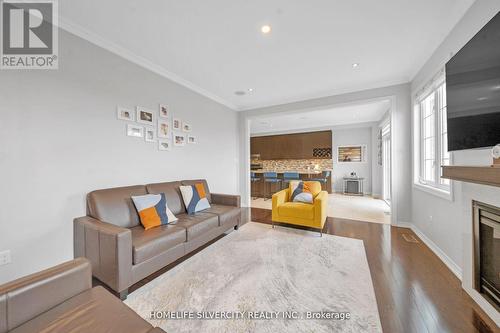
(226,199)
(109,249)
(321,207)
(32,295)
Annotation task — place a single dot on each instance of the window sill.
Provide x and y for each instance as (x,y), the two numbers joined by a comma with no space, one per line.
(435,191)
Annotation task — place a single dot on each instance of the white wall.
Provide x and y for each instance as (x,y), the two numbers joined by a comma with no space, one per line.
(347,137)
(60,139)
(401,136)
(450,227)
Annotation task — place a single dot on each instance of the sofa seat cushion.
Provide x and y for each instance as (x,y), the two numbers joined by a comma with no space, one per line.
(94,310)
(225,213)
(297,209)
(197,224)
(147,244)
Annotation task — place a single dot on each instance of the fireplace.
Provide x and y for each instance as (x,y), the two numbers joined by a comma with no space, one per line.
(487,252)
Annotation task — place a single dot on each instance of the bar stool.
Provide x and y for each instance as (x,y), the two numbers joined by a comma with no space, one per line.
(288,177)
(323,179)
(253,179)
(270,178)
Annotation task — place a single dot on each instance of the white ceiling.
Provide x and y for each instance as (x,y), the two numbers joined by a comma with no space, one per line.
(335,116)
(216,48)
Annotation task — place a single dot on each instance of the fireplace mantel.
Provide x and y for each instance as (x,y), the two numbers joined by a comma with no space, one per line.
(485,175)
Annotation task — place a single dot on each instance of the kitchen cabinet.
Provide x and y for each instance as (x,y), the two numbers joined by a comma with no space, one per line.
(292,146)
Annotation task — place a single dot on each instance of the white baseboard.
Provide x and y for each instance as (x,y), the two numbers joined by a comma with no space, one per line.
(403,224)
(437,251)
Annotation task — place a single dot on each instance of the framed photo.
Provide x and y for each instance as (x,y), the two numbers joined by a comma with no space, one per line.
(124,114)
(176,124)
(149,134)
(135,131)
(186,127)
(164,145)
(163,128)
(192,139)
(351,154)
(145,116)
(179,140)
(164,113)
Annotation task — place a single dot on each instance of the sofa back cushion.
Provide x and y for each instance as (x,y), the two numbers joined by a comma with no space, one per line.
(172,194)
(205,184)
(115,206)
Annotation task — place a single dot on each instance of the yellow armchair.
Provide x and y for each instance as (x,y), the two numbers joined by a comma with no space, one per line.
(298,213)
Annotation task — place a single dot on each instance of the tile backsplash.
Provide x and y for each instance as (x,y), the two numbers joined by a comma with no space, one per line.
(296,165)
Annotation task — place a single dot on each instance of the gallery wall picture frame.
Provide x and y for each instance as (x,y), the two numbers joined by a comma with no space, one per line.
(124,114)
(179,140)
(164,145)
(164,111)
(145,116)
(176,124)
(135,131)
(192,139)
(163,128)
(149,134)
(186,127)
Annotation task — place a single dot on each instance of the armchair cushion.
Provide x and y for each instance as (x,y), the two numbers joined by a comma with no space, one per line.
(149,243)
(297,209)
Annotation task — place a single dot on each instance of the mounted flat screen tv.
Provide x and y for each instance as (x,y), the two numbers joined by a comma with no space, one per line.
(473,91)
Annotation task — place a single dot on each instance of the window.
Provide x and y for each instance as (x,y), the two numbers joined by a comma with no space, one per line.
(431,143)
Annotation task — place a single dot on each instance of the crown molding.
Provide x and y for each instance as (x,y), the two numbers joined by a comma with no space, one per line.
(108,45)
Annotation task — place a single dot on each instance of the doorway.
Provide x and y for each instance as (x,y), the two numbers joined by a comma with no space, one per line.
(386,163)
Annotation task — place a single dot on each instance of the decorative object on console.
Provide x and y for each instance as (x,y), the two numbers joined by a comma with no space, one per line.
(179,140)
(176,124)
(124,114)
(149,135)
(495,153)
(194,197)
(163,128)
(135,131)
(192,139)
(164,144)
(145,116)
(153,210)
(164,111)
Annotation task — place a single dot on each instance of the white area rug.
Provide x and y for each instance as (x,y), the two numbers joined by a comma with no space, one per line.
(258,269)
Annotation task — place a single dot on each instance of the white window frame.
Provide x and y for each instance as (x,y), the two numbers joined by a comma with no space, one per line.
(433,187)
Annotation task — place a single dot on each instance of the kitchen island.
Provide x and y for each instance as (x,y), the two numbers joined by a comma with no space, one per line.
(258,189)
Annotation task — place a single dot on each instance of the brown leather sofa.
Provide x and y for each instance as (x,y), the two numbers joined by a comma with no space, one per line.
(61,299)
(123,253)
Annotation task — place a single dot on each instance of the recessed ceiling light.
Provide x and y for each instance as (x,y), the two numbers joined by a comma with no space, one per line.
(265,29)
(239,93)
(355,65)
(250,89)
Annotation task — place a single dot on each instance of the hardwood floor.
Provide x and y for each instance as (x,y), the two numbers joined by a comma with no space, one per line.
(415,291)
